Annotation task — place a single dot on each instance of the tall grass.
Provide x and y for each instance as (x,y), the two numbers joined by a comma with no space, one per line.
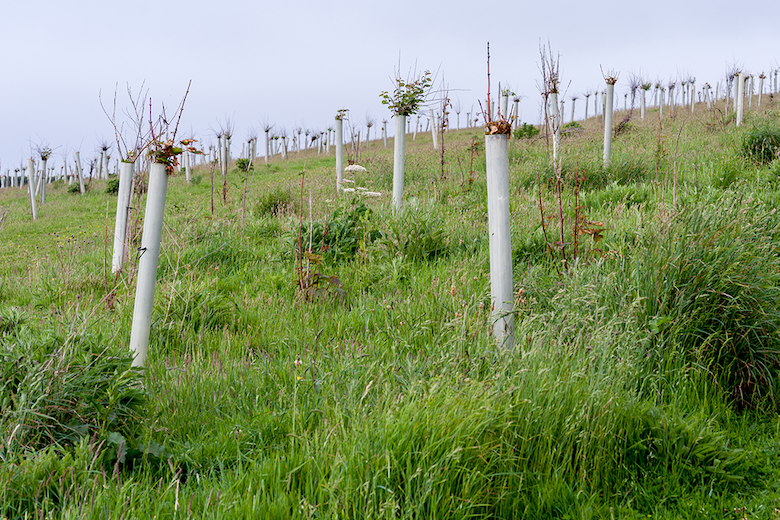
(643,382)
(710,286)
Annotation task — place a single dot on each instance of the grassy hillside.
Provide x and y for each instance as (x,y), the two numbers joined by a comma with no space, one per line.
(643,384)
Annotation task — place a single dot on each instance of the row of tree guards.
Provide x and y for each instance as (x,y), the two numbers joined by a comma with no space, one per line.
(404,102)
(740,85)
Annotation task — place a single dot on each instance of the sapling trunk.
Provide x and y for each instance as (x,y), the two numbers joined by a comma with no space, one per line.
(739,101)
(126,172)
(608,123)
(555,125)
(399,146)
(31,185)
(147,263)
(500,246)
(339,154)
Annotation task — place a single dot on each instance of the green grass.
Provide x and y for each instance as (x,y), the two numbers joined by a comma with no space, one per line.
(643,384)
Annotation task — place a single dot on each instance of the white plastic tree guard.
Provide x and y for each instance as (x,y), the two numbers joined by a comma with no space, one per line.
(501,284)
(399,146)
(147,263)
(339,154)
(608,123)
(126,171)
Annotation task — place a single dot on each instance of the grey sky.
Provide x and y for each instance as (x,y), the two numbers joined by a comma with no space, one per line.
(296,63)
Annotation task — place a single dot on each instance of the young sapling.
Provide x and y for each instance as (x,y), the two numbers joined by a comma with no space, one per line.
(405,101)
(163,150)
(340,115)
(739,100)
(610,78)
(644,87)
(587,100)
(574,99)
(497,134)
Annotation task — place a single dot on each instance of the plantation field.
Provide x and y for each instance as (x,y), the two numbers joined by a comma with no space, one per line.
(644,382)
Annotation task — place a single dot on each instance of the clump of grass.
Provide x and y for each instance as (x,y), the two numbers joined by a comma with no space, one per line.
(710,287)
(762,144)
(216,252)
(276,202)
(623,170)
(202,308)
(417,235)
(75,190)
(11,319)
(57,393)
(629,195)
(727,171)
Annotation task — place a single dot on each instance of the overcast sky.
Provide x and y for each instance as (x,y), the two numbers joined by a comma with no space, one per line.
(296,63)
